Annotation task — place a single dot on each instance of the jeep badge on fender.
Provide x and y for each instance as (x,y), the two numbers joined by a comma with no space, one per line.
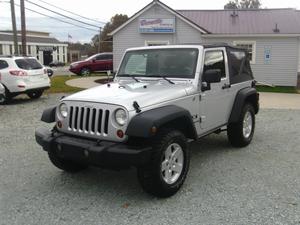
(161,98)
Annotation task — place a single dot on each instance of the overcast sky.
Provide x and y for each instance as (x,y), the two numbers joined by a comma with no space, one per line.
(104,10)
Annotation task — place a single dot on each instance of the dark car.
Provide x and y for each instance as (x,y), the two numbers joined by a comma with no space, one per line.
(95,63)
(56,64)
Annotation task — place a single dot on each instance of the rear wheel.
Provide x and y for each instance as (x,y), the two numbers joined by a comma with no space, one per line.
(35,94)
(85,72)
(5,97)
(241,133)
(168,168)
(66,165)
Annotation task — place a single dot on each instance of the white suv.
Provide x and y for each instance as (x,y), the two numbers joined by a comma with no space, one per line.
(2,93)
(20,75)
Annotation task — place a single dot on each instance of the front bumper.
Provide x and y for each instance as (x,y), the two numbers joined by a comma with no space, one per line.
(104,153)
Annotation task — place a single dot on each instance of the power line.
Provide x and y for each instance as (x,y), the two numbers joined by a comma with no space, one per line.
(58,19)
(72,12)
(61,14)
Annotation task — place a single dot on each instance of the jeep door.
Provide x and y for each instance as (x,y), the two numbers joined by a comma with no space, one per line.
(216,102)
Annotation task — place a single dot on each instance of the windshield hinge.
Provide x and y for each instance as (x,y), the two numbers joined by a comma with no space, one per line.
(136,106)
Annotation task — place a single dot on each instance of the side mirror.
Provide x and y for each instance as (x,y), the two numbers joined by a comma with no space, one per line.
(210,76)
(93,60)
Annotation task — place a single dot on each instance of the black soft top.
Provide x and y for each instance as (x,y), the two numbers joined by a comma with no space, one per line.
(238,62)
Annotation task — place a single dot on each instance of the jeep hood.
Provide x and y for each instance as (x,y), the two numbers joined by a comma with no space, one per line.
(145,93)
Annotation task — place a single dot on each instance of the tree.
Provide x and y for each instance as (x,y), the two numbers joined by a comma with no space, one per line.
(243,4)
(105,39)
(232,5)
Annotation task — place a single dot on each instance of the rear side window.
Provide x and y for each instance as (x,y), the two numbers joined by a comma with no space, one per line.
(240,64)
(3,64)
(28,64)
(215,60)
(240,69)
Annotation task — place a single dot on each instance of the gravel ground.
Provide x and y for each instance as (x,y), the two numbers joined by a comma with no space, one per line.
(258,184)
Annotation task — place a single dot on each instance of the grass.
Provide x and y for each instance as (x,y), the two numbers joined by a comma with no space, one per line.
(58,85)
(277,89)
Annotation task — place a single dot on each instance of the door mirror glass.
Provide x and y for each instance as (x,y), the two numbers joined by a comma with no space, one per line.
(212,76)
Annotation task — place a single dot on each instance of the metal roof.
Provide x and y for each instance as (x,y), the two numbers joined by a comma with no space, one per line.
(30,39)
(251,21)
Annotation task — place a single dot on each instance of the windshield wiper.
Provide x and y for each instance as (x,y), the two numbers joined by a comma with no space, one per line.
(163,77)
(128,75)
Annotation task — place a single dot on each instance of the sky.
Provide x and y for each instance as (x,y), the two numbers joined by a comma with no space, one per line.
(103,10)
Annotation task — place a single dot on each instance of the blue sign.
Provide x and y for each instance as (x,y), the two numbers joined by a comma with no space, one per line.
(267,55)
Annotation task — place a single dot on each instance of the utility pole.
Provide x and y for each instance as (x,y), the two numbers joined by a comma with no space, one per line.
(14,27)
(100,30)
(23,27)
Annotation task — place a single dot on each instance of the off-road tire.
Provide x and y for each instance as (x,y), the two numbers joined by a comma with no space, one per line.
(66,165)
(235,133)
(151,177)
(35,94)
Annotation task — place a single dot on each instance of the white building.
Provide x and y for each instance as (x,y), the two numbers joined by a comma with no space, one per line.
(39,44)
(272,36)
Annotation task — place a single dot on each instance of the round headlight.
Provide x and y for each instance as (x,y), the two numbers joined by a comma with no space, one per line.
(63,110)
(121,117)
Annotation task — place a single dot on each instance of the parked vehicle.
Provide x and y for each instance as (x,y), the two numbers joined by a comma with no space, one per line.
(2,93)
(22,75)
(162,98)
(96,63)
(56,63)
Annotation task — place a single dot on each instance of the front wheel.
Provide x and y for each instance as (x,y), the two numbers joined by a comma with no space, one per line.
(85,72)
(241,133)
(166,172)
(35,94)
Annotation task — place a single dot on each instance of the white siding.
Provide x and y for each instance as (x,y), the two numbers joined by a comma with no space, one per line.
(129,36)
(283,66)
(299,55)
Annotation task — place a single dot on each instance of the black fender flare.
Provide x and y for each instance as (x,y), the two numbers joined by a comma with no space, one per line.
(240,99)
(48,115)
(141,124)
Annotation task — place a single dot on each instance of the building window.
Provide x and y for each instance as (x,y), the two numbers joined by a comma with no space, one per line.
(10,50)
(1,49)
(29,50)
(250,46)
(156,43)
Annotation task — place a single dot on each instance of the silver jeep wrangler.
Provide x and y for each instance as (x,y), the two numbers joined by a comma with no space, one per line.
(161,99)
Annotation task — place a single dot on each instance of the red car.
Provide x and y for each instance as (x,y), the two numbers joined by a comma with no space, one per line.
(95,63)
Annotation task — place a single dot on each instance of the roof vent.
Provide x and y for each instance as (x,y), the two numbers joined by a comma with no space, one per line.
(234,14)
(276,29)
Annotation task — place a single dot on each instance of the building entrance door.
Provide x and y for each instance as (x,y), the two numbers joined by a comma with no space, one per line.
(48,58)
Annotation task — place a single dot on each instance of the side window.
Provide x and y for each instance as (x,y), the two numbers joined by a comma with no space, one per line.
(215,60)
(99,57)
(239,63)
(3,64)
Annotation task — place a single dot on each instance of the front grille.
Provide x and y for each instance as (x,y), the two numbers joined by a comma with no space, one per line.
(88,120)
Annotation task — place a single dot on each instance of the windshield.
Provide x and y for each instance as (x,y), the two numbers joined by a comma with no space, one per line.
(175,63)
(28,64)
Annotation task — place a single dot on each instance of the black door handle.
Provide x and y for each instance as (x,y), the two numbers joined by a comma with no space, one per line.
(225,86)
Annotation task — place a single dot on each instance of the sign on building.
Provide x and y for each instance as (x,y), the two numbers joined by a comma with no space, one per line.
(157,25)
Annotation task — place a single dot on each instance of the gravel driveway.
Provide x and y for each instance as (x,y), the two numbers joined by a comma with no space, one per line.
(259,184)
